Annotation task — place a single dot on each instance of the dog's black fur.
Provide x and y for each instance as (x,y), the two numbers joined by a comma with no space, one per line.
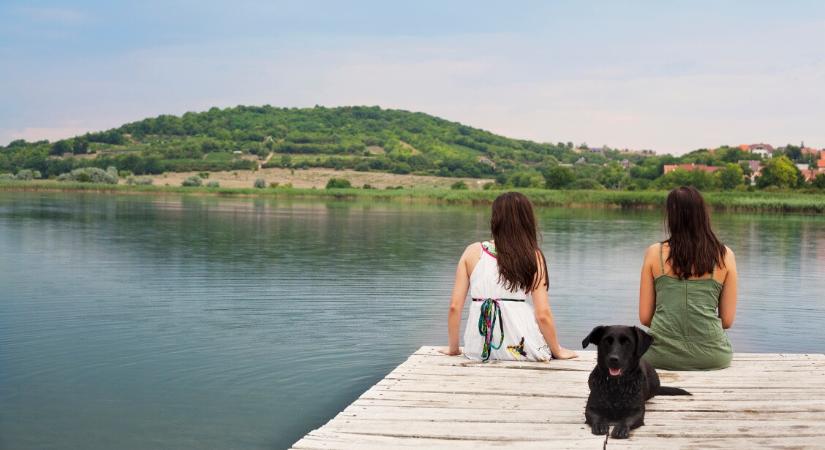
(622,382)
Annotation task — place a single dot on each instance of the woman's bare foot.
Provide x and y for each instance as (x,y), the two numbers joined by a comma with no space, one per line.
(564,353)
(449,352)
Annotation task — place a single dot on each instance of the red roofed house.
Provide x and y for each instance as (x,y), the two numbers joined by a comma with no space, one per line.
(807,151)
(671,167)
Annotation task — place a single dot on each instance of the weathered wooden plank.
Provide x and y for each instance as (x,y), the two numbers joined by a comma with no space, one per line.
(392,412)
(815,378)
(591,354)
(730,391)
(404,400)
(435,401)
(736,442)
(322,439)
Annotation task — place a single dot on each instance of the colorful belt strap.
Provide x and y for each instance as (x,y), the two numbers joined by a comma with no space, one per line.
(490,313)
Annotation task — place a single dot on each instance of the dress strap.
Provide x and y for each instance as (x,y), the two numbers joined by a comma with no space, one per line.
(488,248)
(662,256)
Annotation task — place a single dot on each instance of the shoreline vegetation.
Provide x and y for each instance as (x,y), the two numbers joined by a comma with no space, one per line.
(736,201)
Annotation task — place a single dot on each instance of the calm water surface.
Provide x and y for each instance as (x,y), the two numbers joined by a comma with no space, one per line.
(181,322)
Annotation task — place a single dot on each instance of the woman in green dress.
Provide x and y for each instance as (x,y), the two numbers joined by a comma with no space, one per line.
(687,293)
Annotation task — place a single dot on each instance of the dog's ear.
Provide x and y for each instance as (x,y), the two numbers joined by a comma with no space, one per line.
(594,337)
(643,341)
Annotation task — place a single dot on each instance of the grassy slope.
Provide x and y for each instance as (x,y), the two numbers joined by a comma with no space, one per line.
(731,201)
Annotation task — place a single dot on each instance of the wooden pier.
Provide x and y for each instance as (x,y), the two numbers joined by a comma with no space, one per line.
(437,401)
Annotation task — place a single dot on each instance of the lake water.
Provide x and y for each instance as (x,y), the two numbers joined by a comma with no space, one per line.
(176,322)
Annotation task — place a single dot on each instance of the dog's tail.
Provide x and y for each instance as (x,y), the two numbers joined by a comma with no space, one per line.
(666,390)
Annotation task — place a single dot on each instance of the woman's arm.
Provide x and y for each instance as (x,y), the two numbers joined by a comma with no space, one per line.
(457,299)
(647,293)
(544,317)
(727,302)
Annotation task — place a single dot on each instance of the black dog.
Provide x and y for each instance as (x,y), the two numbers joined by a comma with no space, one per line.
(622,382)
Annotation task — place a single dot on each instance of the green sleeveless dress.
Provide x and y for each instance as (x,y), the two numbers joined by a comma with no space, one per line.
(686,328)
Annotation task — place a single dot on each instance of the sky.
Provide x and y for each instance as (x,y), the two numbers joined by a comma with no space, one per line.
(663,75)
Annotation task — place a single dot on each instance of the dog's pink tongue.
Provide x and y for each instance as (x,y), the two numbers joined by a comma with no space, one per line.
(614,372)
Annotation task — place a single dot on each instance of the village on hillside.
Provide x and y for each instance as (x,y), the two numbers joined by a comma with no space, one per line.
(808,170)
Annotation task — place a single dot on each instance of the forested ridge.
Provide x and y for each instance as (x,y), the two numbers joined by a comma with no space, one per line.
(369,139)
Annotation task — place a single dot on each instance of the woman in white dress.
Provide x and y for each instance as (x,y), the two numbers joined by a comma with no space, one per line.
(510,316)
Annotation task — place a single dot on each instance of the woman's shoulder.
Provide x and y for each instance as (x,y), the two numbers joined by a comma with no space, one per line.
(654,249)
(473,249)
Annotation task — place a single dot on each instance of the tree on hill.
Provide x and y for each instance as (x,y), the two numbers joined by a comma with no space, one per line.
(779,172)
(557,177)
(731,176)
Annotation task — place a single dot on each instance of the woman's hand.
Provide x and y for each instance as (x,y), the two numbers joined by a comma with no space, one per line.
(450,351)
(563,353)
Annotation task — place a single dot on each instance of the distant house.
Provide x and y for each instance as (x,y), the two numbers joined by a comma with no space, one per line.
(808,151)
(625,163)
(755,169)
(810,174)
(487,161)
(596,149)
(689,167)
(764,150)
(754,166)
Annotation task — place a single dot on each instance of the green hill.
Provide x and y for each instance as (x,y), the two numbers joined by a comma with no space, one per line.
(360,138)
(363,139)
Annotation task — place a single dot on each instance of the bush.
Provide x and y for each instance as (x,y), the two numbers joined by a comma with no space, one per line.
(192,181)
(367,186)
(203,175)
(260,183)
(338,183)
(818,182)
(274,184)
(213,184)
(459,185)
(91,175)
(585,183)
(26,175)
(139,181)
(6,176)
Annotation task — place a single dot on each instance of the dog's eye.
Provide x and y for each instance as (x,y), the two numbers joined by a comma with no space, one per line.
(624,340)
(608,340)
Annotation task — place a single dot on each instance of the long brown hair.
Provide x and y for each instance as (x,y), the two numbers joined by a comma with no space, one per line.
(694,248)
(513,226)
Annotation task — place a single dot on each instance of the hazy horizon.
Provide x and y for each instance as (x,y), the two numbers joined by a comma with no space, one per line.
(641,75)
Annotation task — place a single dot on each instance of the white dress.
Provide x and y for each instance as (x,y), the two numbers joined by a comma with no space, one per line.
(507,314)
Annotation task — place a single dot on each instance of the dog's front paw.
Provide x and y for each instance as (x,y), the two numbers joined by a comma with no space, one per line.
(599,428)
(620,431)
